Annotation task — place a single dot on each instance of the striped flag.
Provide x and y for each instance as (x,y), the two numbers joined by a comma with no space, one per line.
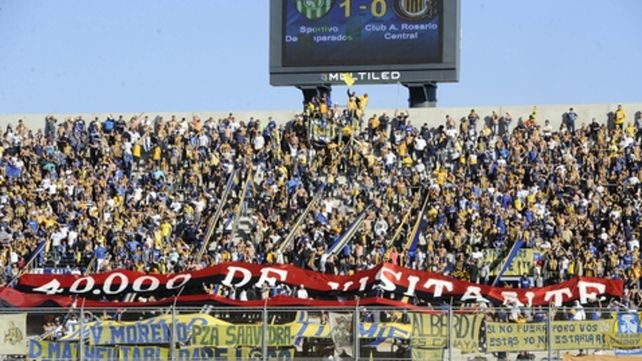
(313,9)
(509,259)
(420,225)
(341,242)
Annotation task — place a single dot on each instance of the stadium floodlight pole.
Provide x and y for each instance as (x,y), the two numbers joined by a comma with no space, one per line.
(217,215)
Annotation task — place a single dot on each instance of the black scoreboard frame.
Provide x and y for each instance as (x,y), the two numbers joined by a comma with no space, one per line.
(408,74)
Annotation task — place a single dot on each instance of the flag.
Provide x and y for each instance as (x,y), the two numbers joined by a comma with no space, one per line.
(420,225)
(348,79)
(509,259)
(342,333)
(11,171)
(13,329)
(342,240)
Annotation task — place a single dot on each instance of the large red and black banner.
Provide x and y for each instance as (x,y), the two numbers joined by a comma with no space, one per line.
(383,280)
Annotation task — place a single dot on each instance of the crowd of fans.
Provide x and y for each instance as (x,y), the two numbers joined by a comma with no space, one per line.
(111,193)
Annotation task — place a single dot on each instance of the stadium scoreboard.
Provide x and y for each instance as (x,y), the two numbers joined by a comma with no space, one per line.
(320,42)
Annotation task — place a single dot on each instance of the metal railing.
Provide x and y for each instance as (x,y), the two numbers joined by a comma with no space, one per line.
(372,333)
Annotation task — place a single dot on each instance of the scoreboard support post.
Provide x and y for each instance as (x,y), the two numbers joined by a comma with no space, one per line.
(311,91)
(422,95)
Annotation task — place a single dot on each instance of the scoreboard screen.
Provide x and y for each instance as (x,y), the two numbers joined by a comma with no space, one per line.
(361,32)
(377,41)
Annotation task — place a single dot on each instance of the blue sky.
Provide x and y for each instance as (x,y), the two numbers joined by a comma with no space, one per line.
(127,56)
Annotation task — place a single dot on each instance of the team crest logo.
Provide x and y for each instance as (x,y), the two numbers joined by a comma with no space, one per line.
(314,9)
(13,336)
(415,9)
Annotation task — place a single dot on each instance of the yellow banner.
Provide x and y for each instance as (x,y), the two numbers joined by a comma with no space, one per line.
(627,333)
(422,354)
(156,330)
(432,331)
(567,335)
(624,341)
(205,330)
(142,353)
(196,353)
(522,263)
(54,351)
(65,351)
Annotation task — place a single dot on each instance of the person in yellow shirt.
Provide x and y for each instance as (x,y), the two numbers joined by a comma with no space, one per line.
(363,102)
(441,174)
(156,155)
(620,117)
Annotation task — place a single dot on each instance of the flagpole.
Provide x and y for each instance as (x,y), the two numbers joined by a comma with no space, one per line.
(340,243)
(400,228)
(217,215)
(237,217)
(28,264)
(302,217)
(415,228)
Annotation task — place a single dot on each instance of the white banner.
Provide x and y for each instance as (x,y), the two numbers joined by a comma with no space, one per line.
(13,334)
(342,334)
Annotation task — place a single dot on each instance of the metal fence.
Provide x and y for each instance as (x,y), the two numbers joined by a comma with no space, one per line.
(214,333)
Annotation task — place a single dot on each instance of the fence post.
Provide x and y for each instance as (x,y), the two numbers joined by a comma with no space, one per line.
(549,331)
(264,342)
(355,332)
(81,335)
(450,328)
(172,339)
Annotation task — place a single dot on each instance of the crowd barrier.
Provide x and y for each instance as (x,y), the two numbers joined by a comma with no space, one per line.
(356,333)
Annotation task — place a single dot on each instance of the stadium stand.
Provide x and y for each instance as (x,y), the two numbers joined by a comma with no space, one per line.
(94,196)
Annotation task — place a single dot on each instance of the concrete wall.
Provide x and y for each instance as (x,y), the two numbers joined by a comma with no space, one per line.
(431,116)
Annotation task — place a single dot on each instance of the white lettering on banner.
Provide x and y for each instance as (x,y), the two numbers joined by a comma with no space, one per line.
(583,287)
(388,278)
(529,297)
(473,293)
(347,285)
(558,296)
(511,297)
(283,274)
(439,286)
(185,277)
(138,284)
(387,284)
(363,282)
(412,283)
(231,271)
(89,284)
